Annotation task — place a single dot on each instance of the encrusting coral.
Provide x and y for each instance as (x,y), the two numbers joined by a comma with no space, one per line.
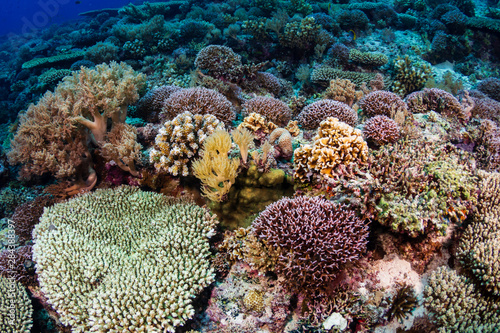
(180,140)
(336,143)
(123,260)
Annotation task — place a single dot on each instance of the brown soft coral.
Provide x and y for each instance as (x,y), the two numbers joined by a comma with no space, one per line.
(51,136)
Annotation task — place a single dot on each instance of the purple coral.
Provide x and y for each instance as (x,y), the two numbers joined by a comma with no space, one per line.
(381,130)
(149,106)
(316,238)
(436,100)
(315,113)
(383,103)
(271,108)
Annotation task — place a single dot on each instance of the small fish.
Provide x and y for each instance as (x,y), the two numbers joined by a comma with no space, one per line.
(77,2)
(352,35)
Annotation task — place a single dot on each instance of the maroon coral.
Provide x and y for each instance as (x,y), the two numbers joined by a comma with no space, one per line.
(314,113)
(381,130)
(151,104)
(316,238)
(18,264)
(269,82)
(436,100)
(381,102)
(271,108)
(198,101)
(26,216)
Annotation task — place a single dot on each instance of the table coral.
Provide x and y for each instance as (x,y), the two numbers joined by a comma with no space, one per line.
(123,260)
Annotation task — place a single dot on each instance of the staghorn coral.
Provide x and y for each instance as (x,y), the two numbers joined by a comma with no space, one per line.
(215,169)
(16,310)
(198,101)
(217,60)
(18,264)
(384,103)
(300,35)
(26,216)
(381,130)
(108,247)
(316,238)
(313,114)
(457,305)
(336,143)
(180,140)
(271,108)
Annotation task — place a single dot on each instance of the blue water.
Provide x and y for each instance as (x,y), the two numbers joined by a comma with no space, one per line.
(24,16)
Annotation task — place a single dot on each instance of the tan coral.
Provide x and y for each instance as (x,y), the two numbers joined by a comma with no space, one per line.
(283,139)
(335,143)
(293,128)
(341,90)
(255,123)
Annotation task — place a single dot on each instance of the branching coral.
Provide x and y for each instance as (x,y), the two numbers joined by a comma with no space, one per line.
(198,101)
(16,310)
(381,130)
(439,101)
(374,59)
(457,305)
(123,259)
(409,77)
(336,143)
(384,103)
(150,106)
(179,141)
(479,247)
(315,236)
(271,108)
(314,113)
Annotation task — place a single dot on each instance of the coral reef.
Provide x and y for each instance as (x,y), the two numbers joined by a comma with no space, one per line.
(271,108)
(381,130)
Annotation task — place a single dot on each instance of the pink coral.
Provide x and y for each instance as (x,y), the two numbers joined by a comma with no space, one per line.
(313,114)
(381,130)
(271,108)
(316,238)
(380,102)
(198,101)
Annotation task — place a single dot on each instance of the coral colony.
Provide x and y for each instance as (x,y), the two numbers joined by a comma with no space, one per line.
(257,166)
